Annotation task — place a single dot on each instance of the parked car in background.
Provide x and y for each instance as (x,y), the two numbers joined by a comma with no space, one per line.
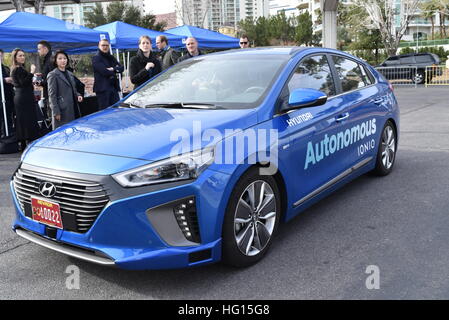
(410,66)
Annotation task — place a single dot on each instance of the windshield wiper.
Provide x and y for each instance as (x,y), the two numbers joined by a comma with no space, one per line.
(128,105)
(184,105)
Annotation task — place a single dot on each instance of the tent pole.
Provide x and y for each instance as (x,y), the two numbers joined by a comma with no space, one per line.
(126,69)
(119,75)
(5,116)
(127,64)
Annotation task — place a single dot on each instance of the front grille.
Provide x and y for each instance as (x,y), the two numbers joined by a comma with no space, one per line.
(80,201)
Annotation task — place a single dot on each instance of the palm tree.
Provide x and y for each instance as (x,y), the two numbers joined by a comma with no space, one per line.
(429,8)
(443,9)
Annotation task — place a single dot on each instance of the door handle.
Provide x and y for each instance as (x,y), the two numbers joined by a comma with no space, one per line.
(377,101)
(342,117)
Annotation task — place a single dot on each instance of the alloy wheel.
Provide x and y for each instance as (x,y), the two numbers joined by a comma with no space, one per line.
(254,218)
(388,147)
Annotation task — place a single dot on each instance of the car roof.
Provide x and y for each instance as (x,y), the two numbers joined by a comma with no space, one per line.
(280,51)
(412,54)
(264,51)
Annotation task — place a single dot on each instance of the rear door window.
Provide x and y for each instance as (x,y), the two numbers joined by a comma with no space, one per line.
(424,59)
(350,74)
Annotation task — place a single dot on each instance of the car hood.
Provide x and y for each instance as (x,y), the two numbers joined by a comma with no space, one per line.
(145,134)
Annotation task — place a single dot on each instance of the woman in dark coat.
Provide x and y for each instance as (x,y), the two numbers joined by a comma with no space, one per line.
(27,128)
(9,100)
(145,64)
(62,93)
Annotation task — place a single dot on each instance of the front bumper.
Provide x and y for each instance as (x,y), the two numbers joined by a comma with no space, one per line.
(124,236)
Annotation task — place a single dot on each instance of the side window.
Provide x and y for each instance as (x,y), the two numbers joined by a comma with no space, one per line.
(392,60)
(313,73)
(366,77)
(424,59)
(350,74)
(407,60)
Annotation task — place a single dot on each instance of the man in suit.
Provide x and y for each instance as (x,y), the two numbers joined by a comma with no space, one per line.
(9,99)
(169,56)
(106,83)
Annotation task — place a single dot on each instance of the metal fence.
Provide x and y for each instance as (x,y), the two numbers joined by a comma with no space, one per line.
(437,76)
(412,76)
(403,76)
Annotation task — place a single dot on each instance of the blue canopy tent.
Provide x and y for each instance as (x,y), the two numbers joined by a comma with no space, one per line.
(24,30)
(126,36)
(207,39)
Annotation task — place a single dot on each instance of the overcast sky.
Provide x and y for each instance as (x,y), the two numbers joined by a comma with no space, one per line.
(160,6)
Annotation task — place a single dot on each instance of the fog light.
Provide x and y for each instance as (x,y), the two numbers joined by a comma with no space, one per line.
(185,213)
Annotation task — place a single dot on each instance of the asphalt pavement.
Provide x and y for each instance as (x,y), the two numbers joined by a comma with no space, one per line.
(397,225)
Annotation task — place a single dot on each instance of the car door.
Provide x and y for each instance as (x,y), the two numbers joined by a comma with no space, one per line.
(362,102)
(311,163)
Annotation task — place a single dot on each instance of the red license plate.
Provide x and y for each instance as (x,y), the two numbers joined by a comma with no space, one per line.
(46,212)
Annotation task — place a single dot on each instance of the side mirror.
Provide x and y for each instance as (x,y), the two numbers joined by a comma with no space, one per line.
(301,98)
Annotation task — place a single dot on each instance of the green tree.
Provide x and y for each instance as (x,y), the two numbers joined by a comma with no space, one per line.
(248,27)
(96,17)
(370,41)
(282,28)
(149,21)
(304,29)
(119,11)
(429,8)
(262,32)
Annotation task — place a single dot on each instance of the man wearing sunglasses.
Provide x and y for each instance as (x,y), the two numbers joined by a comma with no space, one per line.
(106,70)
(244,42)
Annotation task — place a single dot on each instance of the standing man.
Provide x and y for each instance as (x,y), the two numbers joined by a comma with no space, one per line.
(106,69)
(192,49)
(244,42)
(169,56)
(9,99)
(45,66)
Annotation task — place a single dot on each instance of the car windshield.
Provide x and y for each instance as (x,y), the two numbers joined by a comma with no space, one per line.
(215,81)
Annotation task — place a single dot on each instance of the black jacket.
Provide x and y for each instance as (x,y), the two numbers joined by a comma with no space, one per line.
(45,68)
(137,71)
(106,80)
(9,88)
(188,56)
(25,105)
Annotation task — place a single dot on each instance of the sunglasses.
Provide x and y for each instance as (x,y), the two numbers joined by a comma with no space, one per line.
(245,42)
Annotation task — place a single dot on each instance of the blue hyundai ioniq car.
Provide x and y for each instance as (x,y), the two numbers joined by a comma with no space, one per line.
(201,163)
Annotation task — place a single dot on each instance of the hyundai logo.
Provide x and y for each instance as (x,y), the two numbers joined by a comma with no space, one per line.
(47,189)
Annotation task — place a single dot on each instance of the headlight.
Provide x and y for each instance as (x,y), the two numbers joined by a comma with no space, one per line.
(183,167)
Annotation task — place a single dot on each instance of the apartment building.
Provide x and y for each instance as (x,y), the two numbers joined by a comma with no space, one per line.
(214,14)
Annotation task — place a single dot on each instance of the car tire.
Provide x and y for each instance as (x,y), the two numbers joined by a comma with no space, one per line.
(251,219)
(418,77)
(386,154)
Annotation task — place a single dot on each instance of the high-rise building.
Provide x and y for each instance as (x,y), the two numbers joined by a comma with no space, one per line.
(213,14)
